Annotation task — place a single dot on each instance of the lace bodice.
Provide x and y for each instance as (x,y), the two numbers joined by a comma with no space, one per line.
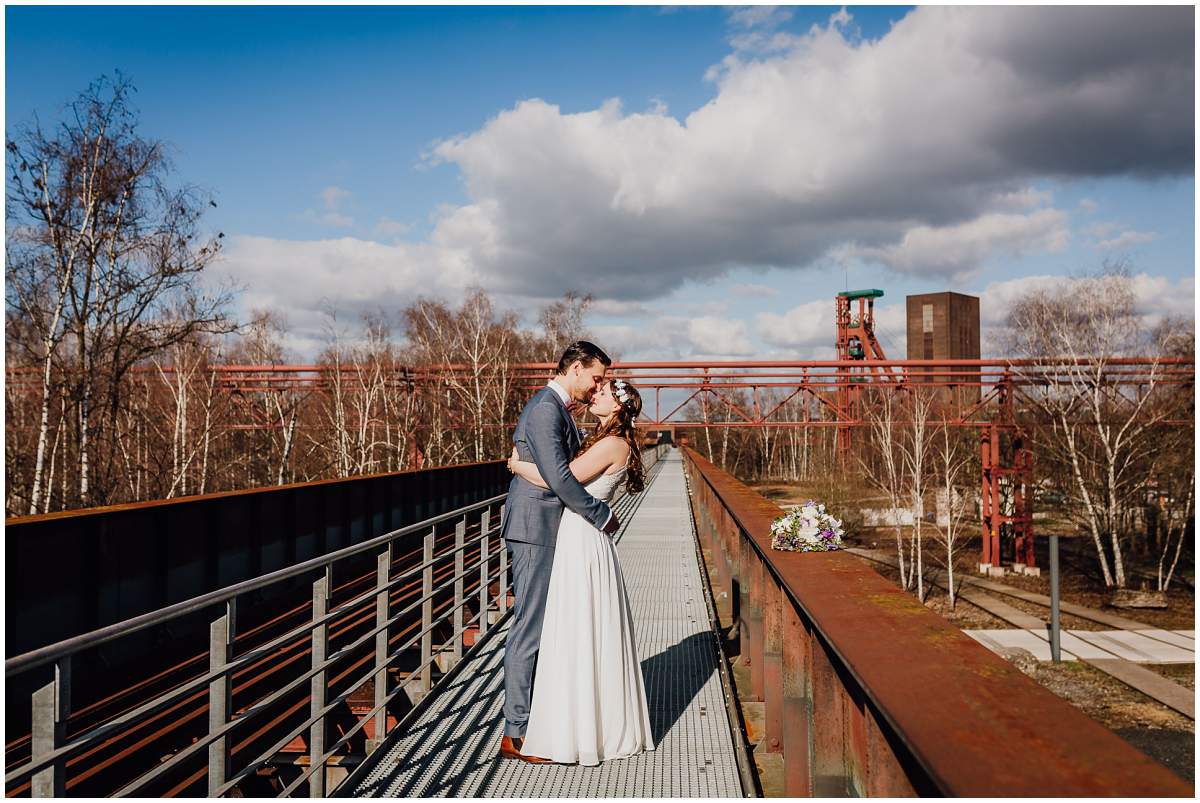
(605,486)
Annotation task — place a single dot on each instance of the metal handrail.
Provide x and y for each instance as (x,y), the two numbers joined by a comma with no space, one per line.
(51,702)
(51,652)
(820,634)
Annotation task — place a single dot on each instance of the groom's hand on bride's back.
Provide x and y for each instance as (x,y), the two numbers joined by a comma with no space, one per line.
(613,524)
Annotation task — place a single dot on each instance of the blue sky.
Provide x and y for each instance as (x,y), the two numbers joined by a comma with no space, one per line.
(712,175)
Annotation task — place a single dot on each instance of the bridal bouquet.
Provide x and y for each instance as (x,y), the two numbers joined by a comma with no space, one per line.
(807,528)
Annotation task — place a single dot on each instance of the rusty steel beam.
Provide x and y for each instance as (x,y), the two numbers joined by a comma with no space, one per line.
(877,695)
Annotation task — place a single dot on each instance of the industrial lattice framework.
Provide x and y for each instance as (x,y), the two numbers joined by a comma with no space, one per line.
(830,393)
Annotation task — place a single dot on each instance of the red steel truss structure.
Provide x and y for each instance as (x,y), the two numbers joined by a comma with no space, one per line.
(986,395)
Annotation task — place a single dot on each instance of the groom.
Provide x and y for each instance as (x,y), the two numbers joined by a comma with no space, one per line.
(546,435)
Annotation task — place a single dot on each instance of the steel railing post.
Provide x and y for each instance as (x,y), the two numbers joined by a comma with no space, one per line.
(1055,623)
(220,694)
(383,564)
(797,704)
(427,613)
(51,707)
(485,523)
(460,541)
(774,598)
(320,644)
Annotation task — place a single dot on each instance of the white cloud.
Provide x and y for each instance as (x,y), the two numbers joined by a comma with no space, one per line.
(389,229)
(673,337)
(1127,239)
(335,219)
(750,290)
(302,277)
(1023,199)
(800,328)
(331,199)
(961,249)
(719,336)
(919,147)
(1155,297)
(808,332)
(760,16)
(1088,205)
(1103,228)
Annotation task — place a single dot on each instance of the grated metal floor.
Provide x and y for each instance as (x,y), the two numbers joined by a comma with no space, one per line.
(451,751)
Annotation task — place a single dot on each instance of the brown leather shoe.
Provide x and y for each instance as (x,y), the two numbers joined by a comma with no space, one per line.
(511,748)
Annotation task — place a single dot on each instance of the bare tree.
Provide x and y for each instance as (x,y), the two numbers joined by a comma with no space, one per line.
(952,460)
(1101,432)
(103,247)
(563,321)
(914,447)
(885,466)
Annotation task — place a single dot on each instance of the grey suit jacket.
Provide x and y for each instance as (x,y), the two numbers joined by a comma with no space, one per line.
(547,436)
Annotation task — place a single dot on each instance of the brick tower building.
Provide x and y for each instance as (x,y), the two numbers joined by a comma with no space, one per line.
(945,325)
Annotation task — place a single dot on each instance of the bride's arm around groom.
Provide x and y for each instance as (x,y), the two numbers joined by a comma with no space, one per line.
(546,439)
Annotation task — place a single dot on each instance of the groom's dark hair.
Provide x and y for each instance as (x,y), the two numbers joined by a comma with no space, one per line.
(587,353)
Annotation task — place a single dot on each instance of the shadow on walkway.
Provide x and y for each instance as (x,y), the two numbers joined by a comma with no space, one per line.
(674,677)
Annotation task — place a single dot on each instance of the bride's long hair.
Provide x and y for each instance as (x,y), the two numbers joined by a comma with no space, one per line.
(622,425)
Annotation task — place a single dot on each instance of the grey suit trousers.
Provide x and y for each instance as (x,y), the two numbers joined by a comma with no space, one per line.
(531,564)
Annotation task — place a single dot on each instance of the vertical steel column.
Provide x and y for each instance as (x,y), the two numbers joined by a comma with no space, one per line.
(220,695)
(460,541)
(885,775)
(857,748)
(485,560)
(750,617)
(51,707)
(731,540)
(773,602)
(985,500)
(997,513)
(797,703)
(320,647)
(427,614)
(828,726)
(383,564)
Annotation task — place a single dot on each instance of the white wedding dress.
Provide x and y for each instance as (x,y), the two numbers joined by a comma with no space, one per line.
(589,699)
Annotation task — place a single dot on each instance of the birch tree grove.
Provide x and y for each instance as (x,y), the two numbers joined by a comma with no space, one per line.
(101,251)
(1104,436)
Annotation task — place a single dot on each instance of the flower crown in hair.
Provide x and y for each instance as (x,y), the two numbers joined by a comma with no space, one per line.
(619,390)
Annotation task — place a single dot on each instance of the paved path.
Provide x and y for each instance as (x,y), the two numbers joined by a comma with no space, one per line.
(451,750)
(1114,652)
(1133,646)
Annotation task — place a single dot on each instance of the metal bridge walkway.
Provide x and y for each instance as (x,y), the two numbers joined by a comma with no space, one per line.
(451,749)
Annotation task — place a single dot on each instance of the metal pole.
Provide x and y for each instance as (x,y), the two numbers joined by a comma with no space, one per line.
(383,565)
(320,642)
(485,560)
(427,614)
(220,648)
(1055,652)
(460,540)
(51,706)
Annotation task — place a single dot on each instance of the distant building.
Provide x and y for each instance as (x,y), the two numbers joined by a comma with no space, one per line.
(945,326)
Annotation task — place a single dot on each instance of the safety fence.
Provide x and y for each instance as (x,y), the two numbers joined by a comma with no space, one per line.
(277,706)
(868,693)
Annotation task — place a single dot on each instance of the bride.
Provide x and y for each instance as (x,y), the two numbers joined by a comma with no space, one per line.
(589,698)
